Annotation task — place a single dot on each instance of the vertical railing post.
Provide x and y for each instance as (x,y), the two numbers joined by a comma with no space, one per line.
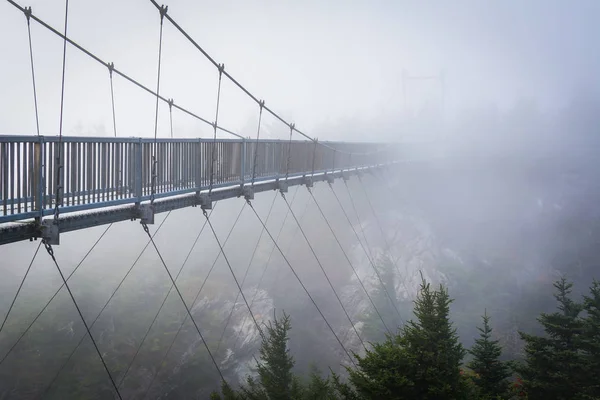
(198,171)
(40,177)
(138,171)
(243,165)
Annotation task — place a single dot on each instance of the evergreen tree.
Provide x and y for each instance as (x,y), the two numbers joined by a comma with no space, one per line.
(553,366)
(591,341)
(490,373)
(421,362)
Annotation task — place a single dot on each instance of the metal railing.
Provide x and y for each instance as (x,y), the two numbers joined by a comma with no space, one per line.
(102,172)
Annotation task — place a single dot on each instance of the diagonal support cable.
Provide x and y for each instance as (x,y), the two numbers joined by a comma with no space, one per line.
(264,271)
(20,286)
(349,262)
(323,269)
(193,304)
(187,309)
(233,274)
(53,296)
(163,303)
(245,276)
(106,304)
(303,286)
(365,251)
(51,253)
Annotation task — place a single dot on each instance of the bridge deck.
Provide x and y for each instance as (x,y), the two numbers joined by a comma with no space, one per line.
(101,173)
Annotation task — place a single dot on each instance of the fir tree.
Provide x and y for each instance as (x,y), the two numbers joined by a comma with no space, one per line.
(490,373)
(553,363)
(421,362)
(591,341)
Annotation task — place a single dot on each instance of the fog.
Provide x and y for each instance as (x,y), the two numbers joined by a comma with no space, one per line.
(507,205)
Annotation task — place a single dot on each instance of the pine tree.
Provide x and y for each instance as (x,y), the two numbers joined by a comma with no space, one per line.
(553,363)
(421,362)
(490,373)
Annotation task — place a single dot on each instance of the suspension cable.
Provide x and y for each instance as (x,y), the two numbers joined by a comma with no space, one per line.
(183,301)
(322,268)
(349,262)
(383,286)
(59,157)
(236,83)
(214,145)
(163,303)
(193,304)
(27,12)
(163,12)
(120,73)
(261,106)
(262,275)
(20,286)
(107,302)
(171,115)
(289,155)
(53,296)
(246,275)
(111,67)
(51,253)
(302,284)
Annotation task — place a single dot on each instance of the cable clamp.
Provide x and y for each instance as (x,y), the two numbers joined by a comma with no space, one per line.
(28,13)
(221,68)
(163,11)
(261,104)
(170,103)
(145,228)
(205,213)
(292,127)
(111,67)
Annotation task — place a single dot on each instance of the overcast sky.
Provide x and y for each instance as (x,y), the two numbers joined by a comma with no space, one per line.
(320,64)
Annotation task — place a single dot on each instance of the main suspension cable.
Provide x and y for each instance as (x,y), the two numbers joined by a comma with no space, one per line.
(20,286)
(163,302)
(349,262)
(383,286)
(107,302)
(183,301)
(112,381)
(53,296)
(302,284)
(120,73)
(312,250)
(193,304)
(245,276)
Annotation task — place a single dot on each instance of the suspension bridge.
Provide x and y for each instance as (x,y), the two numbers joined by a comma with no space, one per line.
(50,185)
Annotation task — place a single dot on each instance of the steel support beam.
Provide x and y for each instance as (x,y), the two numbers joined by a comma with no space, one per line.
(68,223)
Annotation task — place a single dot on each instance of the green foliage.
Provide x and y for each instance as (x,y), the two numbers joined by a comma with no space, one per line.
(490,375)
(276,381)
(559,365)
(421,362)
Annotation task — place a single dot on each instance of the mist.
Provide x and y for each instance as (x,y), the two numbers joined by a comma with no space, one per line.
(496,196)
